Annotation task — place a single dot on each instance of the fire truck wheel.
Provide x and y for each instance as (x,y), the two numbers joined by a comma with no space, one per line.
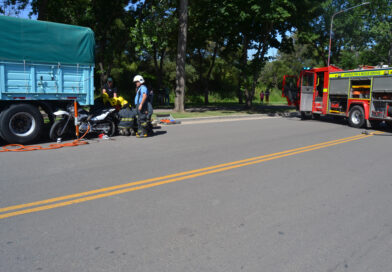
(389,124)
(315,116)
(356,117)
(304,115)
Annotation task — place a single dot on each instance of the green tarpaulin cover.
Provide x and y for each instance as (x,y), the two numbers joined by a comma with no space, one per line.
(45,42)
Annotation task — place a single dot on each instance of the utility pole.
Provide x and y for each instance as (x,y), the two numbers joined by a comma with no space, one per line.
(330,30)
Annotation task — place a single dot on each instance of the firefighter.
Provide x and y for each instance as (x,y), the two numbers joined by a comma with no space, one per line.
(127,122)
(142,106)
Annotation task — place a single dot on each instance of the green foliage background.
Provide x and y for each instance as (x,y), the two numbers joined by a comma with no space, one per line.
(228,41)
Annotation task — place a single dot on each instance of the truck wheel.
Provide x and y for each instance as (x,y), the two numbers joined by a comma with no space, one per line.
(21,123)
(315,116)
(305,115)
(356,117)
(1,135)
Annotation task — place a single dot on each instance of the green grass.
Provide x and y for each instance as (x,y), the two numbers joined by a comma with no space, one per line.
(275,98)
(206,113)
(224,109)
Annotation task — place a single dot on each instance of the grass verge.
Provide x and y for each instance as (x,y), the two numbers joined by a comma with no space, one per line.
(224,109)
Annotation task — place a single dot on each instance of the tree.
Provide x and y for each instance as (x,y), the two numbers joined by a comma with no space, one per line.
(350,33)
(380,27)
(208,30)
(181,54)
(108,19)
(155,25)
(286,63)
(258,26)
(13,7)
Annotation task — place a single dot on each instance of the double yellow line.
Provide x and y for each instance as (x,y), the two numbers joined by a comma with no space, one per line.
(66,200)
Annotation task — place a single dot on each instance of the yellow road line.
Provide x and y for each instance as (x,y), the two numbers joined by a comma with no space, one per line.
(106,189)
(261,159)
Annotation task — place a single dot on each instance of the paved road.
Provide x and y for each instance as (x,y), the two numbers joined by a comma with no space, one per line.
(268,194)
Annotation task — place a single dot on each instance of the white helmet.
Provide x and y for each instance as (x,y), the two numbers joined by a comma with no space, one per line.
(138,78)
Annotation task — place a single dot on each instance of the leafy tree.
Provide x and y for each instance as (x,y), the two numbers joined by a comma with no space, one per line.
(208,30)
(152,35)
(350,33)
(380,28)
(13,7)
(259,26)
(285,64)
(108,19)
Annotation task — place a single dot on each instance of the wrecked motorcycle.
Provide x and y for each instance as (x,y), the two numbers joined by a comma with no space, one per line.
(97,121)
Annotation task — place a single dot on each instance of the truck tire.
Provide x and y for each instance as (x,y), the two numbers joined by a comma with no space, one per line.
(21,124)
(356,117)
(1,135)
(315,116)
(306,115)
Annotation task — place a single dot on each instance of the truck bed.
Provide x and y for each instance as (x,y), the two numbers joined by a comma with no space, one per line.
(31,81)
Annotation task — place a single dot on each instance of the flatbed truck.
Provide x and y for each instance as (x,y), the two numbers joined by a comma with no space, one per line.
(43,67)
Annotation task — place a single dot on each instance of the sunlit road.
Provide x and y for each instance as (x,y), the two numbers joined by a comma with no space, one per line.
(266,194)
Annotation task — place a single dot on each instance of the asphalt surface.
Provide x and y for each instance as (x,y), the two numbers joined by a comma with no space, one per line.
(321,208)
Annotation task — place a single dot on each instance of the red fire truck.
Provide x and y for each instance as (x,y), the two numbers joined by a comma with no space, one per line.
(364,95)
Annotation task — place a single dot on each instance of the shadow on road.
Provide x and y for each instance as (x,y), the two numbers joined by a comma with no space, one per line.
(230,108)
(384,127)
(44,140)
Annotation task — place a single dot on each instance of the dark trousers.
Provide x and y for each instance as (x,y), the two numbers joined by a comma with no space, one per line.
(144,118)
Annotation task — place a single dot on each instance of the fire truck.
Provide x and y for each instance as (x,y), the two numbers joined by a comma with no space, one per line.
(363,96)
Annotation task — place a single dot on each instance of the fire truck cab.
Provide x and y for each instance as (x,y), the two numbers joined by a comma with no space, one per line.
(364,96)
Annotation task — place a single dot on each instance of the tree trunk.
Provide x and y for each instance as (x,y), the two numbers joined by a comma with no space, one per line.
(239,94)
(158,66)
(251,94)
(181,54)
(206,89)
(200,68)
(104,74)
(42,7)
(244,62)
(160,75)
(390,55)
(155,58)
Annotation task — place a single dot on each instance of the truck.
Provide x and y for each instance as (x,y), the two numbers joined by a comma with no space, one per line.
(43,67)
(363,95)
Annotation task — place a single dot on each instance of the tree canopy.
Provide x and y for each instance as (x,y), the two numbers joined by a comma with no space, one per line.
(227,50)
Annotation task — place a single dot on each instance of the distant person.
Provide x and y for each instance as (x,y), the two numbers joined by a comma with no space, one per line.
(167,98)
(150,96)
(261,97)
(267,94)
(109,88)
